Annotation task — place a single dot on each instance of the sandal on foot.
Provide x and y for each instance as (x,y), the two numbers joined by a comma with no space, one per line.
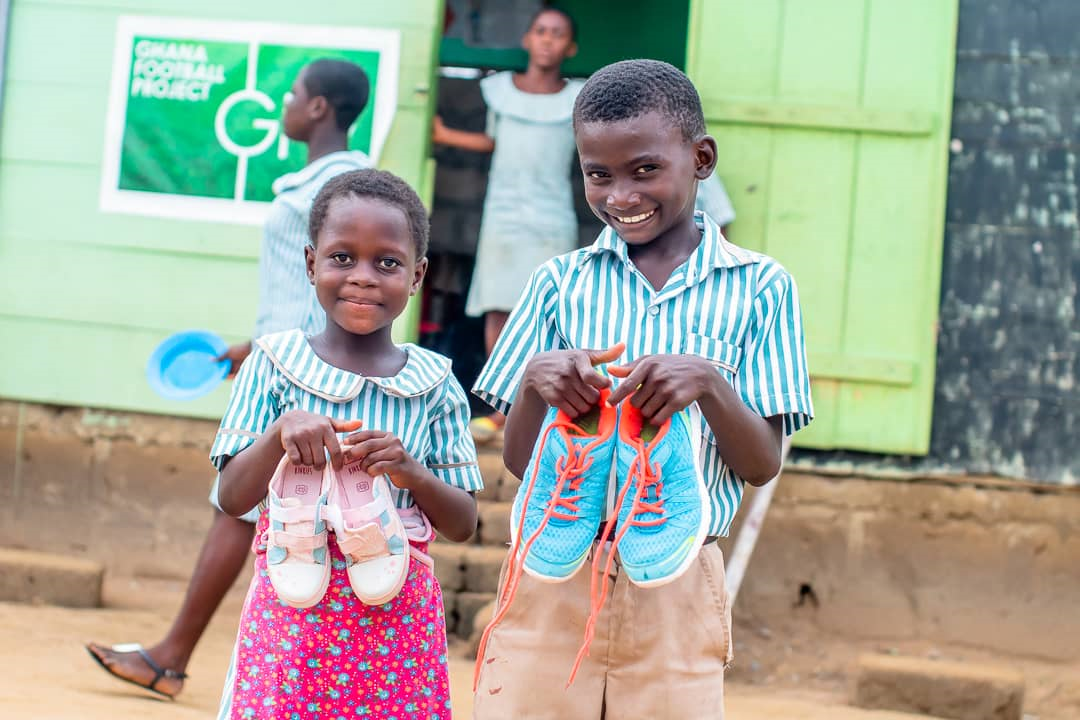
(159,672)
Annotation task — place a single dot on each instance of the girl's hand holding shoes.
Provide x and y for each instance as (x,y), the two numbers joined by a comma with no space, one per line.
(381,453)
(307,438)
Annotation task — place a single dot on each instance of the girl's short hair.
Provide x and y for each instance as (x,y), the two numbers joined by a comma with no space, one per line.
(377,184)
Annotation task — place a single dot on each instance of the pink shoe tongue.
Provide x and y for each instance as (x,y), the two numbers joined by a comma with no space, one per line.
(290,502)
(356,518)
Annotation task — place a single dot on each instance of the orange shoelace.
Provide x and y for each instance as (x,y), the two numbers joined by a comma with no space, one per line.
(648,476)
(569,469)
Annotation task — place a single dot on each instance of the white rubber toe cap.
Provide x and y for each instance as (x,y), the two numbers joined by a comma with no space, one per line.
(378,581)
(299,584)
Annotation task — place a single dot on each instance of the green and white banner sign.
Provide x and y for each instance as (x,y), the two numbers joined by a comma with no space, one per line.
(194,121)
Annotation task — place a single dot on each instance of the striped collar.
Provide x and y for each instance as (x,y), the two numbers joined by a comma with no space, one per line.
(291,353)
(713,252)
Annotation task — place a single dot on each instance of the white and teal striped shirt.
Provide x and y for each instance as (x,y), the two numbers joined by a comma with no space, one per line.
(286,298)
(736,308)
(423,405)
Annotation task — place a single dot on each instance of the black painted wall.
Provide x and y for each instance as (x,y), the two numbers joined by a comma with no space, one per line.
(1006,397)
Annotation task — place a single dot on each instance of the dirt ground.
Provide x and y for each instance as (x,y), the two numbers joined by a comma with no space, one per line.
(47,674)
(787,673)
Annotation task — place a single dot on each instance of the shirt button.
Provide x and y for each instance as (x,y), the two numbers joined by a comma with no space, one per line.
(654,310)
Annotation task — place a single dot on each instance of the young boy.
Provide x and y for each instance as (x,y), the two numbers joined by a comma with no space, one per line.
(326,98)
(703,322)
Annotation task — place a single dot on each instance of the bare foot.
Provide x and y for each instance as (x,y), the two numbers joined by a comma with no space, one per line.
(131,666)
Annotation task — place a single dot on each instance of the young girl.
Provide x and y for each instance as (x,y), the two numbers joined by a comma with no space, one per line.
(529,208)
(294,397)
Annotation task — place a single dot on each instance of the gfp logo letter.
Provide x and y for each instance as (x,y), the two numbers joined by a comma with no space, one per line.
(270,128)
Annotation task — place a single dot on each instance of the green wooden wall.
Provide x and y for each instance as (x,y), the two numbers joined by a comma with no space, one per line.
(85,296)
(832,118)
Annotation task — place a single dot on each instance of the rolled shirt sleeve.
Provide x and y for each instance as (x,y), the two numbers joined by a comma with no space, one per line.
(453,452)
(251,410)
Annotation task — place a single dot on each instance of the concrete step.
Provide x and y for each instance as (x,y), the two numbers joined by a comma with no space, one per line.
(964,691)
(754,704)
(469,577)
(508,486)
(481,568)
(491,470)
(494,525)
(449,564)
(467,608)
(499,483)
(467,567)
(40,578)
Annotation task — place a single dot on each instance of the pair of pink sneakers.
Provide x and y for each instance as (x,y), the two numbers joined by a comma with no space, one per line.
(305,504)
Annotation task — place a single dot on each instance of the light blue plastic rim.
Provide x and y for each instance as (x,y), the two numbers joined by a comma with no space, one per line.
(195,339)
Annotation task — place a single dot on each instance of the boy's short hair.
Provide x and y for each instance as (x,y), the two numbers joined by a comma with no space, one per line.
(377,184)
(631,88)
(344,85)
(558,11)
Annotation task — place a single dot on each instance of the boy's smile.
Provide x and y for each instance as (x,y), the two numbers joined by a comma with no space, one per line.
(364,267)
(640,176)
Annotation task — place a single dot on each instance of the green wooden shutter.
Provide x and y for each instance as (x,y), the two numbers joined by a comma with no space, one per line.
(832,118)
(85,295)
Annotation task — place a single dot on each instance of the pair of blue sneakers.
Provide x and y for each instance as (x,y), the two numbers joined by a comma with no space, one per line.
(609,463)
(646,480)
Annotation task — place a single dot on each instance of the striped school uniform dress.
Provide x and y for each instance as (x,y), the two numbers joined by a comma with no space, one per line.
(736,308)
(342,658)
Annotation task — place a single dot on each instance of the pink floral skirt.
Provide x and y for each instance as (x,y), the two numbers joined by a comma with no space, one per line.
(340,658)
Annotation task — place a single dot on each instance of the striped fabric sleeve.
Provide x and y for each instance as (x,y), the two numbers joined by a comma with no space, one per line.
(530,329)
(453,453)
(251,409)
(774,379)
(284,289)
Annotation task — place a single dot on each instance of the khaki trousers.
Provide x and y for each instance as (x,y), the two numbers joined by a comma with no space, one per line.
(658,652)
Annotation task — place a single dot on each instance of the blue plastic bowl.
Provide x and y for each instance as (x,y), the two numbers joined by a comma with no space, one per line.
(184,366)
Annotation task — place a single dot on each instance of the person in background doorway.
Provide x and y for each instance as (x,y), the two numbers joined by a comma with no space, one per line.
(529,213)
(325,100)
